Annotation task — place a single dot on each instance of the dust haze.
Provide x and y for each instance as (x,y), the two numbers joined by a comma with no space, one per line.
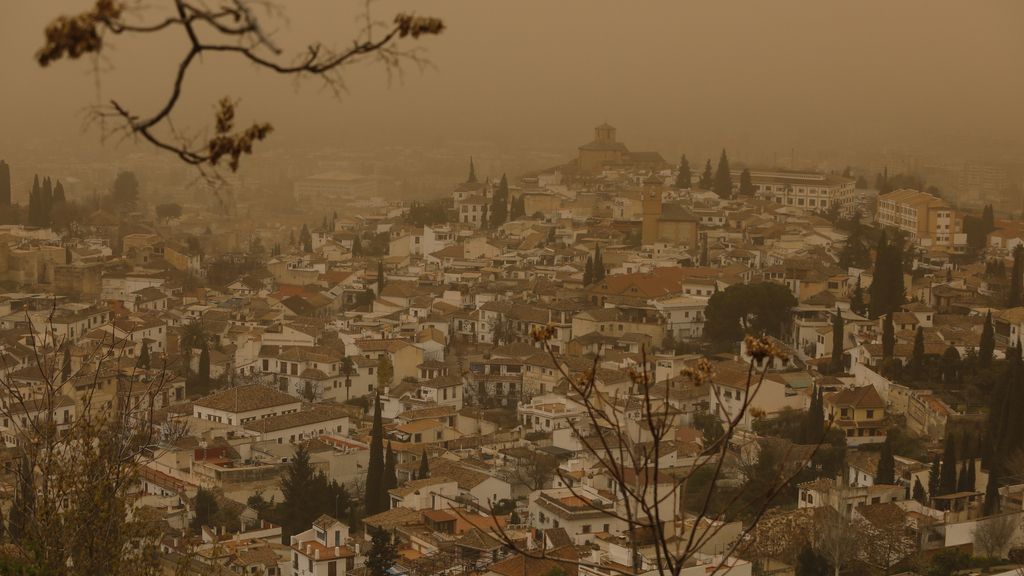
(818,85)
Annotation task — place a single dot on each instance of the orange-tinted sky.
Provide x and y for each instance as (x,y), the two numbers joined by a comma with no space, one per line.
(758,76)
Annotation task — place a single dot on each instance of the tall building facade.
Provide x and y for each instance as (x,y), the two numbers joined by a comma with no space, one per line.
(924,218)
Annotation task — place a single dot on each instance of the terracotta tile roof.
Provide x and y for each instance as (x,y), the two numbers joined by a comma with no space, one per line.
(245,398)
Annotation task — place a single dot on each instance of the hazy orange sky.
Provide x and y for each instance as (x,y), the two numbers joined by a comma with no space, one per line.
(757,76)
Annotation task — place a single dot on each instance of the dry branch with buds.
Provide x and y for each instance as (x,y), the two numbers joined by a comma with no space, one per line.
(230,28)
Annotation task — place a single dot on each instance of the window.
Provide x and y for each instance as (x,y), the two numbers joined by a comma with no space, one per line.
(871,414)
(332,568)
(586,528)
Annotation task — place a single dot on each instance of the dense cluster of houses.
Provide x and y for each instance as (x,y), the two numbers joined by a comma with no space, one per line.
(613,261)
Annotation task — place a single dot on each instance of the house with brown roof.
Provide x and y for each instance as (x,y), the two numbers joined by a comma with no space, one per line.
(243,404)
(859,413)
(323,550)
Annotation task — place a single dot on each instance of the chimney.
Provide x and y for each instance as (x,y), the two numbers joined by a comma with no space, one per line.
(316,554)
(337,550)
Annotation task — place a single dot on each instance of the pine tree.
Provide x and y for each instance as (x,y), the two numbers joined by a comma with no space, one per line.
(707,181)
(746,183)
(588,272)
(375,493)
(888,337)
(886,473)
(838,339)
(382,554)
(987,345)
(204,508)
(1013,298)
(424,466)
(857,304)
(723,177)
(916,363)
(684,178)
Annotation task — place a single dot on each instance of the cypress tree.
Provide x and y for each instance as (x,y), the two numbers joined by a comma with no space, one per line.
(888,337)
(933,477)
(988,219)
(1013,298)
(684,177)
(991,505)
(599,271)
(65,365)
(46,202)
(947,474)
(963,479)
(880,278)
(203,375)
(707,181)
(390,478)
(987,345)
(424,466)
(5,184)
(886,465)
(917,356)
(375,493)
(746,183)
(837,342)
(23,505)
(144,355)
(34,200)
(499,204)
(588,272)
(918,493)
(380,277)
(723,177)
(814,425)
(972,480)
(471,179)
(951,366)
(1004,419)
(857,304)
